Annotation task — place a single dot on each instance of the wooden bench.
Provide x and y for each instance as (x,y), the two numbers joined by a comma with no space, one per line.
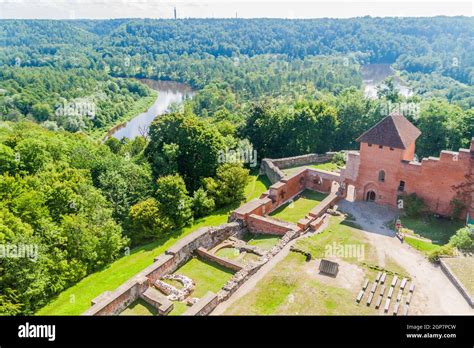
(404,283)
(369,300)
(379,301)
(408,299)
(412,287)
(387,305)
(382,290)
(366,284)
(384,275)
(379,275)
(394,281)
(405,310)
(395,308)
(359,296)
(374,287)
(390,292)
(399,295)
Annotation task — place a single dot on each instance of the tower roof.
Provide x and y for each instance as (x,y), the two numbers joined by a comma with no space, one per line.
(393,131)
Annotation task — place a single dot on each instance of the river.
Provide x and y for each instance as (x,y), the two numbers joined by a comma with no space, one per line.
(169,92)
(374,74)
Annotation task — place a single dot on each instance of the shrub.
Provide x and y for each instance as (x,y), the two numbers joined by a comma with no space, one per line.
(413,205)
(172,194)
(146,221)
(202,203)
(445,250)
(229,185)
(339,158)
(463,240)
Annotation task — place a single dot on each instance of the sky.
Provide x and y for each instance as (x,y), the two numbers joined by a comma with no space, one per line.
(101,9)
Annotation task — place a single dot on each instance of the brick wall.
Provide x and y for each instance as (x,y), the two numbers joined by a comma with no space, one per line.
(260,224)
(113,303)
(431,179)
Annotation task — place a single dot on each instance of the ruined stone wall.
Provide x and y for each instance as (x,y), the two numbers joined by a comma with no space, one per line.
(267,225)
(272,167)
(449,273)
(302,160)
(227,263)
(113,303)
(204,306)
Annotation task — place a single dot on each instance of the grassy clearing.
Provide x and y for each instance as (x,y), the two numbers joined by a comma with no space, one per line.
(257,186)
(289,289)
(77,298)
(208,276)
(463,268)
(228,253)
(328,166)
(139,307)
(263,241)
(298,209)
(437,230)
(424,246)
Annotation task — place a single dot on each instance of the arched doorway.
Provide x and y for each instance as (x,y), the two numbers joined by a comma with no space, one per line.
(370,196)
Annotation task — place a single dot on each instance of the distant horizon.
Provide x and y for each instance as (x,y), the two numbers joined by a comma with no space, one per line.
(242,9)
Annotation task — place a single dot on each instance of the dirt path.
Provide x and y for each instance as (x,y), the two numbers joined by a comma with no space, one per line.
(434,293)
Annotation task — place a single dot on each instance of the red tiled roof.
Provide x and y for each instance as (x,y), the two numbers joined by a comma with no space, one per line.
(393,131)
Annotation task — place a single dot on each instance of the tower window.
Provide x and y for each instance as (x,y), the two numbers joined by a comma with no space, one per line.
(391,149)
(380,147)
(401,186)
(369,145)
(382,176)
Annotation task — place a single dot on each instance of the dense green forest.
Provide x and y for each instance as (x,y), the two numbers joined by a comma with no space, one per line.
(280,87)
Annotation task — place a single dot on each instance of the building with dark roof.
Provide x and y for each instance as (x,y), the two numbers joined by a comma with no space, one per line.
(384,169)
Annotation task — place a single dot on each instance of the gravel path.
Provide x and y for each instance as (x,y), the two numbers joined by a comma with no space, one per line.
(434,292)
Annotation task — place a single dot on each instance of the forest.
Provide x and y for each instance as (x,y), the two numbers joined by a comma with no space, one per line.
(85,202)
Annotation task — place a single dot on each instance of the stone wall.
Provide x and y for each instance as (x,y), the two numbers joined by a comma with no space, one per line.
(204,306)
(433,179)
(267,225)
(272,167)
(113,303)
(230,264)
(447,270)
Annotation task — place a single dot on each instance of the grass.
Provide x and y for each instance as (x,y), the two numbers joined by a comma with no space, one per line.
(289,289)
(424,246)
(298,209)
(427,226)
(328,166)
(140,307)
(463,269)
(257,186)
(228,253)
(207,275)
(77,299)
(263,241)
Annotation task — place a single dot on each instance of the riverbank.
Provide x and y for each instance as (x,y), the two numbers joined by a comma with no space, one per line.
(139,107)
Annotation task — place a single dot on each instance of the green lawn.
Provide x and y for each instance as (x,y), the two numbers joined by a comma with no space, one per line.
(428,226)
(228,253)
(421,245)
(289,289)
(298,209)
(139,307)
(263,241)
(257,186)
(207,275)
(328,166)
(463,269)
(77,299)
